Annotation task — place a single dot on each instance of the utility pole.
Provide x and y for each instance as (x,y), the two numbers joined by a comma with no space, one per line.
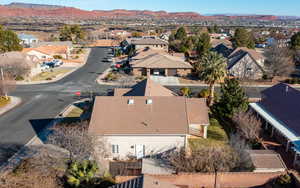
(3,83)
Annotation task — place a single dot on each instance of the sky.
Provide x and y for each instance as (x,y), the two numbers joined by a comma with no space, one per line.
(273,7)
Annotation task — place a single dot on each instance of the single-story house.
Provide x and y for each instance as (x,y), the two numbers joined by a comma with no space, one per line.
(30,61)
(161,64)
(246,63)
(146,42)
(278,109)
(48,52)
(54,43)
(142,122)
(27,39)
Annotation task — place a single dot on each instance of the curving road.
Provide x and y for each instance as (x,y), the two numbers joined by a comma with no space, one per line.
(42,102)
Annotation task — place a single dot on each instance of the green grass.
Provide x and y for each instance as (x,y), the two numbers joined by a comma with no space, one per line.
(75,112)
(216,136)
(50,75)
(4,101)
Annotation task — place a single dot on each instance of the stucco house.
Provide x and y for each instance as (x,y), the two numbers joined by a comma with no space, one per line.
(146,120)
(246,63)
(279,111)
(146,42)
(48,52)
(161,64)
(27,39)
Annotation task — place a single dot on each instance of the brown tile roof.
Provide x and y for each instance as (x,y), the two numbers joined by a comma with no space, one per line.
(166,115)
(49,50)
(146,87)
(253,53)
(146,41)
(161,61)
(266,159)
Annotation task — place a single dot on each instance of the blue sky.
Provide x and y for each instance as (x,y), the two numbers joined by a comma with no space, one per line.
(275,7)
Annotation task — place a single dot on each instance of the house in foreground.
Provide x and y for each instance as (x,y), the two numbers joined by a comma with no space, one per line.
(279,111)
(146,120)
(161,64)
(48,52)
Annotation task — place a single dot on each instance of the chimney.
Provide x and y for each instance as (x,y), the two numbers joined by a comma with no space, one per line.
(130,101)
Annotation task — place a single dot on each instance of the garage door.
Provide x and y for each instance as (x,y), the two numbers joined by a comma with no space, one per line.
(172,72)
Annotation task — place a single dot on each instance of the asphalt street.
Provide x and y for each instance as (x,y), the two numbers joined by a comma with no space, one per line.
(41,103)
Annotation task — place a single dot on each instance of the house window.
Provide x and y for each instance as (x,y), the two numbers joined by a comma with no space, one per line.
(115,148)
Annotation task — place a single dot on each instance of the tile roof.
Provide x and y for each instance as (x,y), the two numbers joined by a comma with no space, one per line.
(146,41)
(49,50)
(146,87)
(283,101)
(161,61)
(165,115)
(54,43)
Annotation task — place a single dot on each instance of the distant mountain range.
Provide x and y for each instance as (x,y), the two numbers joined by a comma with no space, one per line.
(41,10)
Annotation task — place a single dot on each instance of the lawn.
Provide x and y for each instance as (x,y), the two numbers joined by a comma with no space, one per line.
(4,101)
(216,135)
(75,112)
(50,75)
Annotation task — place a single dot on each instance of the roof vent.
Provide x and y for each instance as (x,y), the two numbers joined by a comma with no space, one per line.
(149,101)
(286,89)
(130,101)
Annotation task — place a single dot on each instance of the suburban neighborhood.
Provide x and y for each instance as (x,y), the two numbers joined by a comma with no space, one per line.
(148,99)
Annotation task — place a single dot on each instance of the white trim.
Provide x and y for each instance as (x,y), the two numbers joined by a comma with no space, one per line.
(274,122)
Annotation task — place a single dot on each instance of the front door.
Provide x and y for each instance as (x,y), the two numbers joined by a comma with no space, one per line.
(139,151)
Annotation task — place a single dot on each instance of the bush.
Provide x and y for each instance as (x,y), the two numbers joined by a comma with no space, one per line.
(19,78)
(57,57)
(293,81)
(111,77)
(204,93)
(48,78)
(4,101)
(283,181)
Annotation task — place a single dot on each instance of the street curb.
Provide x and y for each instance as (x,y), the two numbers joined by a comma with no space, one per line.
(14,160)
(17,101)
(59,78)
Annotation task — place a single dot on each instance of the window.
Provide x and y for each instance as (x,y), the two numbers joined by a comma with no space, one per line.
(115,148)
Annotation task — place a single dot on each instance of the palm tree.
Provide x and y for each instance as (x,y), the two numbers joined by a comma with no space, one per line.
(213,68)
(81,174)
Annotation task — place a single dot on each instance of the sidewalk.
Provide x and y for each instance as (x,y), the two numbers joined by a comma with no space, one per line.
(15,101)
(59,77)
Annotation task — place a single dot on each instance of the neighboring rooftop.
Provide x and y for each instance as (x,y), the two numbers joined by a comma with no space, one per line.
(146,41)
(253,53)
(54,43)
(267,161)
(147,115)
(146,87)
(282,102)
(161,61)
(49,50)
(23,36)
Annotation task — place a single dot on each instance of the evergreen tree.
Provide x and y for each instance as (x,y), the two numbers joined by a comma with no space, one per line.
(203,45)
(295,41)
(233,99)
(243,38)
(180,34)
(71,33)
(9,41)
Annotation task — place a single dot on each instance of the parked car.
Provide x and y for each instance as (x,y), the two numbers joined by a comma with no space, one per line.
(44,67)
(57,62)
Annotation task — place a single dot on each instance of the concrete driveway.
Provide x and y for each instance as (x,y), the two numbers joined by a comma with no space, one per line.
(165,80)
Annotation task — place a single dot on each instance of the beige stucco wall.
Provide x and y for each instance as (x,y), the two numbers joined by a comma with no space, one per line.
(184,72)
(153,144)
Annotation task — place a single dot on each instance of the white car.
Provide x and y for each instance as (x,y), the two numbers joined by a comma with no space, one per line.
(45,67)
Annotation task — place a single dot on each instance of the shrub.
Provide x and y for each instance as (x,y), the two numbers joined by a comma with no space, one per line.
(111,77)
(283,181)
(19,78)
(204,93)
(4,101)
(293,81)
(48,78)
(57,57)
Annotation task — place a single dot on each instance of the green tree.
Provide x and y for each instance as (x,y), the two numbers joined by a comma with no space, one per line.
(81,174)
(185,91)
(213,69)
(233,99)
(72,33)
(243,38)
(9,41)
(180,34)
(203,45)
(295,41)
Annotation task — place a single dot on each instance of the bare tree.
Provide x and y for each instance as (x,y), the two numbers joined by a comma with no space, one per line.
(7,83)
(204,159)
(279,61)
(75,138)
(248,126)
